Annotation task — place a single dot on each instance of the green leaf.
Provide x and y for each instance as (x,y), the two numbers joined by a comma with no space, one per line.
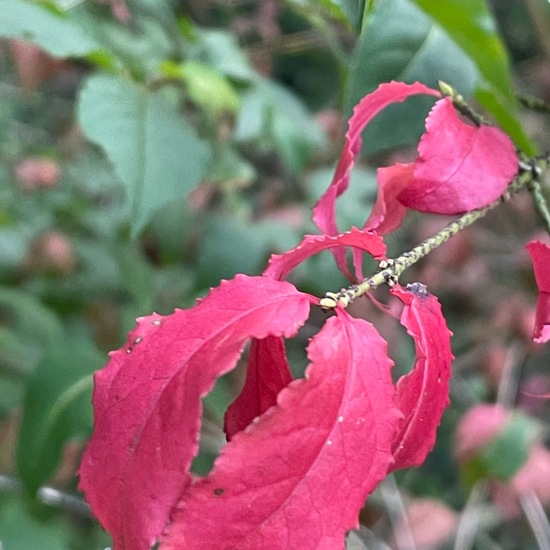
(20,528)
(221,50)
(273,117)
(233,246)
(400,42)
(155,152)
(471,25)
(27,329)
(506,118)
(56,34)
(206,86)
(349,12)
(29,317)
(351,9)
(26,525)
(57,407)
(228,167)
(506,453)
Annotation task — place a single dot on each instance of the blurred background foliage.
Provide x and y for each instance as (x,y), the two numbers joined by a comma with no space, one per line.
(150,148)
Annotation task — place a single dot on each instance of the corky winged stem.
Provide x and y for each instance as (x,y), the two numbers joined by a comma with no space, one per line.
(540,202)
(460,104)
(528,176)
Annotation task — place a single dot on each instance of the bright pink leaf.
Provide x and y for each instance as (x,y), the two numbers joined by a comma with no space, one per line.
(280,265)
(324,212)
(540,256)
(387,212)
(423,394)
(460,167)
(147,400)
(298,477)
(268,371)
(266,375)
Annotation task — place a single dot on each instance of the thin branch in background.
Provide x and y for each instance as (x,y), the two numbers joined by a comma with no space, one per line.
(534,103)
(49,496)
(393,500)
(540,202)
(508,386)
(534,512)
(469,520)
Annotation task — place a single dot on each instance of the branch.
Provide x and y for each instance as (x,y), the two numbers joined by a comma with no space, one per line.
(391,269)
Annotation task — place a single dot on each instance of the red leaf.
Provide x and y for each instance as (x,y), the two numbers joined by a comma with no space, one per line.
(423,394)
(147,400)
(387,212)
(298,477)
(540,256)
(266,375)
(460,167)
(280,265)
(268,371)
(324,212)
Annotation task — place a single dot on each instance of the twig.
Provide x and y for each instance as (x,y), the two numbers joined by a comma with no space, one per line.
(49,496)
(460,104)
(534,103)
(393,268)
(540,202)
(534,512)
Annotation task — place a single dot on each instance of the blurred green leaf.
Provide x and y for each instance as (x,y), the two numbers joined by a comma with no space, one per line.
(220,49)
(138,48)
(233,246)
(471,25)
(400,42)
(506,453)
(173,228)
(228,168)
(273,117)
(349,12)
(352,10)
(31,327)
(57,407)
(25,525)
(206,87)
(20,529)
(57,34)
(155,153)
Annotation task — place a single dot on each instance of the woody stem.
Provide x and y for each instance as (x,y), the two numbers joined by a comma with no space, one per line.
(540,202)
(527,177)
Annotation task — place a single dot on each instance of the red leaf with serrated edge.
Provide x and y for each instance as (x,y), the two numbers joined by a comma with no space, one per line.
(147,400)
(460,167)
(324,212)
(280,265)
(423,394)
(387,212)
(540,256)
(298,477)
(267,372)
